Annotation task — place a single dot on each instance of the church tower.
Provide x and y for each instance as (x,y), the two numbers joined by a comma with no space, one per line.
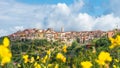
(62,29)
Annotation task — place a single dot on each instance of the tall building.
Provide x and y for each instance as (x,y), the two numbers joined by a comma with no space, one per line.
(62,29)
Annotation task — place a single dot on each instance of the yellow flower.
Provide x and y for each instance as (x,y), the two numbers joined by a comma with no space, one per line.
(5,54)
(114,42)
(114,66)
(103,58)
(116,60)
(45,59)
(64,59)
(6,42)
(48,52)
(118,39)
(19,65)
(5,60)
(56,66)
(112,46)
(50,65)
(25,57)
(64,48)
(61,57)
(94,50)
(32,60)
(86,64)
(36,65)
(38,58)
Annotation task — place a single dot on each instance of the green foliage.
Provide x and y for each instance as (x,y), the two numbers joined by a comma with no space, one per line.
(41,42)
(104,41)
(75,54)
(78,39)
(74,44)
(32,46)
(1,39)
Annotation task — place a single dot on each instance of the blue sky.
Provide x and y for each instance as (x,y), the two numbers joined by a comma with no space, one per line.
(73,15)
(45,1)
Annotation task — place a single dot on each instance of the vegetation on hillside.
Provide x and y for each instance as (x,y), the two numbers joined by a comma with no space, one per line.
(103,53)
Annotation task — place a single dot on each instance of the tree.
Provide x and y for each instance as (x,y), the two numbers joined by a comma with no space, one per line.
(104,41)
(78,40)
(74,44)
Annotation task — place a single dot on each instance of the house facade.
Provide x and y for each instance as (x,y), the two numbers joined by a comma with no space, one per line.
(51,35)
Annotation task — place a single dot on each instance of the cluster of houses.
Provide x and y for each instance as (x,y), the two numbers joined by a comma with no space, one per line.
(51,35)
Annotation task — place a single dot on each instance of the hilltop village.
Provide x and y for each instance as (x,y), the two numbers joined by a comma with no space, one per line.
(68,37)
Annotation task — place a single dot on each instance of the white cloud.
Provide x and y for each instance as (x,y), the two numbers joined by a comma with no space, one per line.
(3,32)
(77,6)
(107,22)
(55,16)
(17,28)
(84,21)
(38,25)
(62,8)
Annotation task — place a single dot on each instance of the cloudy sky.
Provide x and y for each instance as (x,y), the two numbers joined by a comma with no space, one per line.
(73,15)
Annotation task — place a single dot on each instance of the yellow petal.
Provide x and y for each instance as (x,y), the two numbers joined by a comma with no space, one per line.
(56,66)
(111,47)
(6,42)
